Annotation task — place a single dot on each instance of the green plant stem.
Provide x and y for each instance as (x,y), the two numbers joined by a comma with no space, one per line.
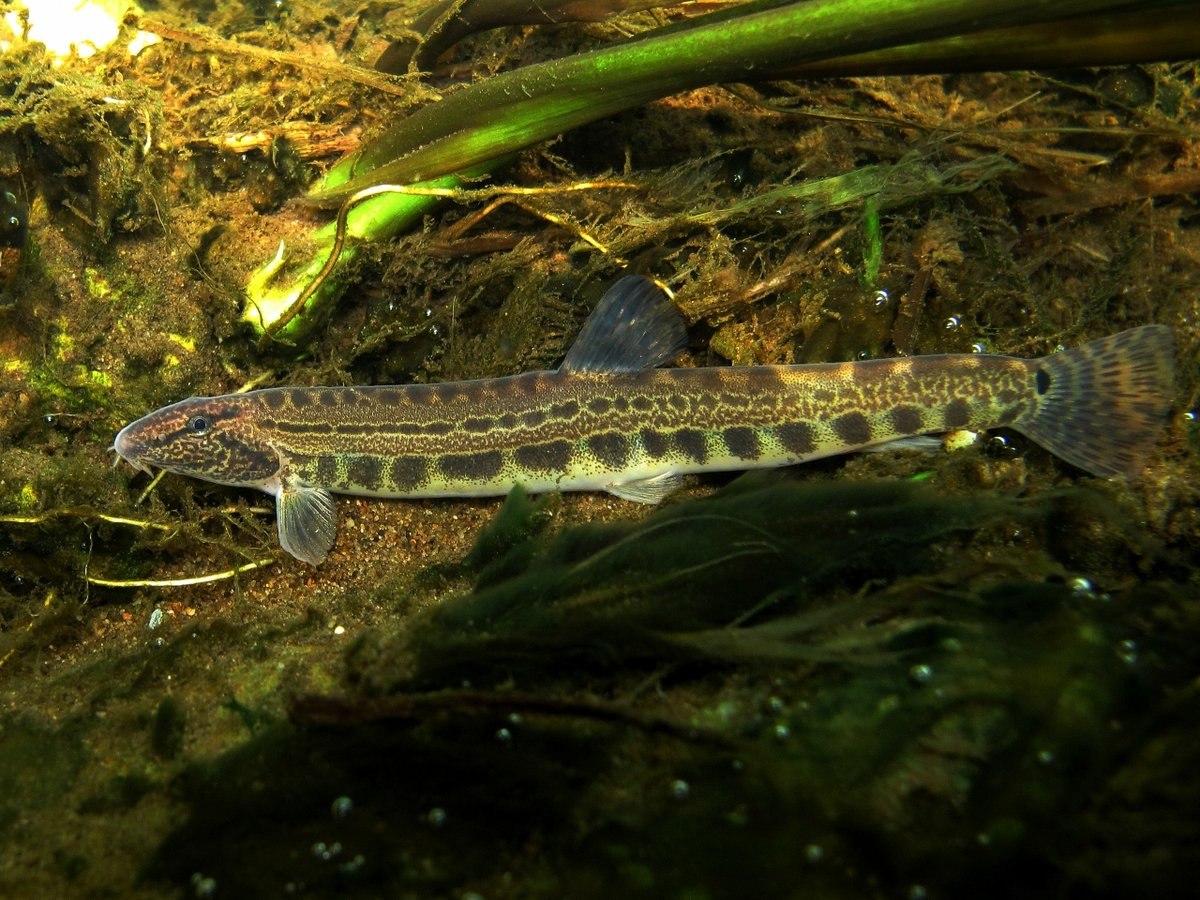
(476,129)
(517,109)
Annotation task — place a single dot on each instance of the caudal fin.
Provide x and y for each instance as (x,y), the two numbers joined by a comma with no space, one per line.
(1102,406)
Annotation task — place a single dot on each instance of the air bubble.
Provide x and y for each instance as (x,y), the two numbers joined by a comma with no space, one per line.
(436,817)
(814,853)
(203,885)
(352,866)
(1127,650)
(1082,587)
(953,323)
(782,731)
(680,789)
(921,673)
(882,299)
(326,852)
(503,735)
(341,807)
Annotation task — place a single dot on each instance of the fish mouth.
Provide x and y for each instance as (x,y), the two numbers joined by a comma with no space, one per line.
(126,448)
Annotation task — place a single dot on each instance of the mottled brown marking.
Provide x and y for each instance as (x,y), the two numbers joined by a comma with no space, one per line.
(275,399)
(408,473)
(508,421)
(472,466)
(478,424)
(690,442)
(364,470)
(354,429)
(609,448)
(533,418)
(301,397)
(552,456)
(569,409)
(328,398)
(388,395)
(797,438)
(654,443)
(710,380)
(599,405)
(907,420)
(956,414)
(326,471)
(742,442)
(852,428)
(642,403)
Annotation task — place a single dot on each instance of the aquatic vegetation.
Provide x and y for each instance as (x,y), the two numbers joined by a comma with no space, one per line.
(996,700)
(889,688)
(477,129)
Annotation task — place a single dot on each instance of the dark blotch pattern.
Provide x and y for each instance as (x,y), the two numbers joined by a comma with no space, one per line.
(326,471)
(1043,381)
(655,443)
(553,456)
(742,442)
(852,428)
(477,424)
(690,442)
(599,405)
(365,471)
(274,399)
(408,473)
(907,420)
(797,438)
(957,414)
(473,466)
(610,448)
(327,398)
(533,418)
(301,398)
(568,409)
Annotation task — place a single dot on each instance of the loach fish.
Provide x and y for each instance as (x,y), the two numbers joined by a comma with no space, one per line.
(607,419)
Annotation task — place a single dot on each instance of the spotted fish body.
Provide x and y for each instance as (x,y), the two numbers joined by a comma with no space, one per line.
(607,420)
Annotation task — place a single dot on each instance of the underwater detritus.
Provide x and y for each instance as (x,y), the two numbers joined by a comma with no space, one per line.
(14,221)
(14,232)
(88,148)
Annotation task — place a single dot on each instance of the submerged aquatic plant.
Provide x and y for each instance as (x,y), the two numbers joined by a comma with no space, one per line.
(476,130)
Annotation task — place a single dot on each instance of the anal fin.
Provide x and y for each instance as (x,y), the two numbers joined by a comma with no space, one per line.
(307,520)
(646,490)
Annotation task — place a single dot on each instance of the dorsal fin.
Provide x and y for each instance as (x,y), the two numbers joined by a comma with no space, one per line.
(633,327)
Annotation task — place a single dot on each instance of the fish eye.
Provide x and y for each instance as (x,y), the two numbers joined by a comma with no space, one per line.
(198,424)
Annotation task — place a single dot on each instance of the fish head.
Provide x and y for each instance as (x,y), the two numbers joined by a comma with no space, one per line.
(213,438)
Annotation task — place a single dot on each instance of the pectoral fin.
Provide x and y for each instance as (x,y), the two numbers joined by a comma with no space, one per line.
(646,490)
(307,520)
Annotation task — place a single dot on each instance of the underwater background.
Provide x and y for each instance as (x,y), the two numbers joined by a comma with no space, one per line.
(900,674)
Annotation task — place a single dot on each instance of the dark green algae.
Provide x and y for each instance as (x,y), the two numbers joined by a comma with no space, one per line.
(784,689)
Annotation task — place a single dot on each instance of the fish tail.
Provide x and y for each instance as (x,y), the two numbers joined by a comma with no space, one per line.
(1102,406)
